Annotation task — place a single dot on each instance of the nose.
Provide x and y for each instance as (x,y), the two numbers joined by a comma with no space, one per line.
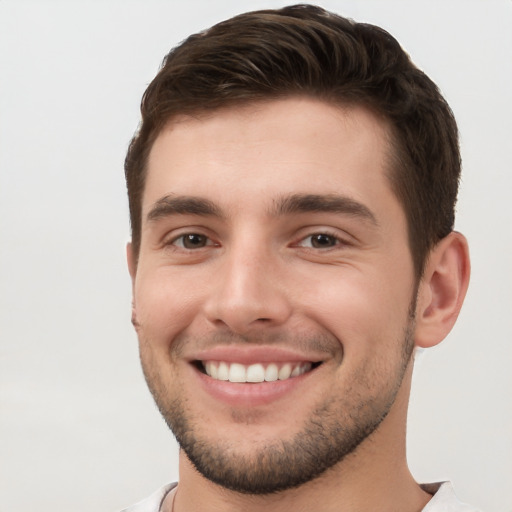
(247,292)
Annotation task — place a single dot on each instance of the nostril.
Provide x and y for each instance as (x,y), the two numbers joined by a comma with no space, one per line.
(244,306)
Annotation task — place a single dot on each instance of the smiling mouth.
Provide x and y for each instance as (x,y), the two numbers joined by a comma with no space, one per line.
(254,373)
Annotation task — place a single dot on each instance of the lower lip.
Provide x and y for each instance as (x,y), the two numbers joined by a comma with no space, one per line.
(250,394)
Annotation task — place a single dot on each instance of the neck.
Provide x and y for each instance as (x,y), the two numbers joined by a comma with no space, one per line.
(374,477)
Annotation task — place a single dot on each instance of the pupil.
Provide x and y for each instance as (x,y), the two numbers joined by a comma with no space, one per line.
(193,241)
(323,241)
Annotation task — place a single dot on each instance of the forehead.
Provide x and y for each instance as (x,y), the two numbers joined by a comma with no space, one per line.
(267,149)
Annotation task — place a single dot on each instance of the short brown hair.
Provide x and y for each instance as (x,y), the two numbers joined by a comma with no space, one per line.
(305,50)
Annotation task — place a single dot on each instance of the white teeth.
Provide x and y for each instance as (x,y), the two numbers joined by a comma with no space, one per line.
(236,372)
(255,373)
(295,372)
(271,373)
(214,372)
(222,372)
(285,372)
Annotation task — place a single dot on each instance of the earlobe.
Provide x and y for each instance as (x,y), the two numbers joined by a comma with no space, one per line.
(442,290)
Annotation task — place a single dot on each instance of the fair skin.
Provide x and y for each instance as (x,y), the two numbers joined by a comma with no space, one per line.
(271,238)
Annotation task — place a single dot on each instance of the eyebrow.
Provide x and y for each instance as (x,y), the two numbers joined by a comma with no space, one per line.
(329,203)
(183,205)
(296,203)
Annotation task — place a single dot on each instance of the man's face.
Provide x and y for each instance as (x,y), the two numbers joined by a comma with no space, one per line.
(273,251)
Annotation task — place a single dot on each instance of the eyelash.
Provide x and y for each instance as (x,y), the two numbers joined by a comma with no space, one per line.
(337,241)
(175,241)
(180,241)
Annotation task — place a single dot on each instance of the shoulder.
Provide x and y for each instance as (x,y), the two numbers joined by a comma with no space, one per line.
(153,502)
(444,499)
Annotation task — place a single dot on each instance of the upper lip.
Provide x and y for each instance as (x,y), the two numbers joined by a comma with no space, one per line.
(255,354)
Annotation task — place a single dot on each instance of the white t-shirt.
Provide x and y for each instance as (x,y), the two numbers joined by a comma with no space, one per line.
(443,500)
(152,504)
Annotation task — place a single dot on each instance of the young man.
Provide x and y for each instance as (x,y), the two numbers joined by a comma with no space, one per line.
(292,189)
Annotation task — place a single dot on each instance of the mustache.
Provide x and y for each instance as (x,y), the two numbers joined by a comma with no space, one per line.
(321,342)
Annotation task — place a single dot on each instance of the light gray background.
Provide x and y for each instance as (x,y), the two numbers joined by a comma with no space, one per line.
(78,430)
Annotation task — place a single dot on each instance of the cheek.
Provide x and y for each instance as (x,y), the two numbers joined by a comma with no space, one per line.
(165,304)
(366,311)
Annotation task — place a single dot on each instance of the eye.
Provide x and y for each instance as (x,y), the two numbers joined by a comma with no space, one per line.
(192,241)
(320,241)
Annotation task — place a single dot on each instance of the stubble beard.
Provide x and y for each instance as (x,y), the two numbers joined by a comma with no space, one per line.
(334,430)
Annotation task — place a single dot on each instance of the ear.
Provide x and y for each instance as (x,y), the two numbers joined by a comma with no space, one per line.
(132,268)
(131,260)
(442,290)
